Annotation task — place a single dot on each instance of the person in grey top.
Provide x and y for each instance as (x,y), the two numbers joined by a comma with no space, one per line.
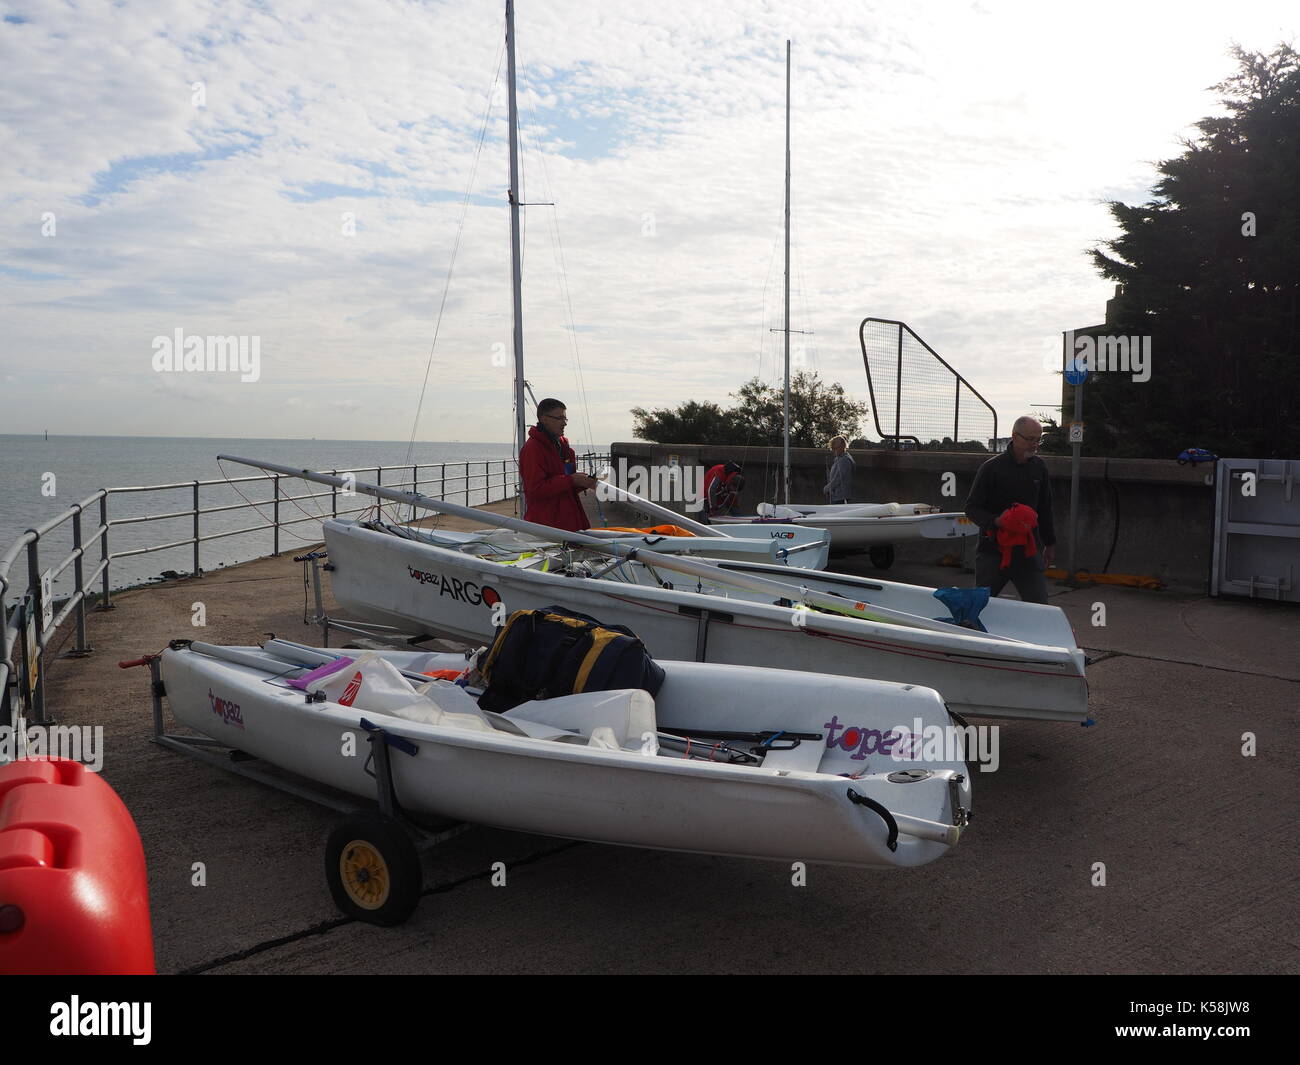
(1018,475)
(840,485)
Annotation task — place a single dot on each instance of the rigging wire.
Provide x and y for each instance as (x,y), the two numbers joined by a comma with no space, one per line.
(812,360)
(565,292)
(455,248)
(287,499)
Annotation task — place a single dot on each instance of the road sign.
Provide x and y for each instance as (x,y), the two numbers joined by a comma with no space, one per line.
(1076,431)
(1076,371)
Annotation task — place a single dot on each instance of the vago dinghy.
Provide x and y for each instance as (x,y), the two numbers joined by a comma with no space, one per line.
(741,613)
(722,760)
(855,526)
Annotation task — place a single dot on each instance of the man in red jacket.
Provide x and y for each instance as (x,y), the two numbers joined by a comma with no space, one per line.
(549,470)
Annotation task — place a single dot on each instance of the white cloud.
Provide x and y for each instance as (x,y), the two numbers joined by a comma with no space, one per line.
(950,165)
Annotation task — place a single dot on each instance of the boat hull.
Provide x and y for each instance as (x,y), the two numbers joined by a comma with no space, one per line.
(610,796)
(855,532)
(423,589)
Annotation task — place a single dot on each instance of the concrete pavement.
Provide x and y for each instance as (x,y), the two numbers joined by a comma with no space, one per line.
(1196,840)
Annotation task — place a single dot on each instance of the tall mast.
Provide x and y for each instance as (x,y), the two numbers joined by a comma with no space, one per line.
(786,329)
(515,254)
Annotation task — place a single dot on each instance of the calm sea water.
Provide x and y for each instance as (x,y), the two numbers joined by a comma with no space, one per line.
(40,478)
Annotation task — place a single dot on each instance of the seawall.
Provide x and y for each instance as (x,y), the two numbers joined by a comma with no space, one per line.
(1149,517)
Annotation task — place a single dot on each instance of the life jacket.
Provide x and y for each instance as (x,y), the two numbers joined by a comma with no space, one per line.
(651,530)
(1018,524)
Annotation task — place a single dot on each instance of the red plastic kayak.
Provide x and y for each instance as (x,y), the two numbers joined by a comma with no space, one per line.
(74,896)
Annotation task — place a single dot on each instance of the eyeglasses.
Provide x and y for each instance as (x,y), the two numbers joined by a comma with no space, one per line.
(1029,439)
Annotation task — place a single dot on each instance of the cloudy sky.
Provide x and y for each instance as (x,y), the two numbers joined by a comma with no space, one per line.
(296,173)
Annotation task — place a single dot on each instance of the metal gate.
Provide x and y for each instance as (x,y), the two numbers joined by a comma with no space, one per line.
(917,399)
(1257,529)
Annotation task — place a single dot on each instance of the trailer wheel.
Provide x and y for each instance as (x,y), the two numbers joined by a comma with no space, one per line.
(373,869)
(882,556)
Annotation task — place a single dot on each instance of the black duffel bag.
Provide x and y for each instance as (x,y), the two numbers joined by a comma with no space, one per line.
(544,653)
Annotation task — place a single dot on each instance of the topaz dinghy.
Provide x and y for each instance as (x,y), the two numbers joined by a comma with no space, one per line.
(755,763)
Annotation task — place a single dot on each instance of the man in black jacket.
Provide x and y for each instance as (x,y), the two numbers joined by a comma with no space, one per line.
(1018,475)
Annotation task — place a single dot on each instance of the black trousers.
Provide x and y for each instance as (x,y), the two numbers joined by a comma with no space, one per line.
(1025,573)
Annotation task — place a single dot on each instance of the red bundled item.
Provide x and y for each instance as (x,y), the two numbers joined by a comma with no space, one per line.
(1017,526)
(74,897)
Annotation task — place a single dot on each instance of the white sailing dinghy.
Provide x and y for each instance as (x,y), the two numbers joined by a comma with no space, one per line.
(1026,664)
(754,763)
(804,545)
(857,526)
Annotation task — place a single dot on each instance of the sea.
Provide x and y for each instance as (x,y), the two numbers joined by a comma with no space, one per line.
(41,478)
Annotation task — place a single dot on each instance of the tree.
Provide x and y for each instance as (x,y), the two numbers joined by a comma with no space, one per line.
(1211,273)
(691,423)
(818,411)
(949,444)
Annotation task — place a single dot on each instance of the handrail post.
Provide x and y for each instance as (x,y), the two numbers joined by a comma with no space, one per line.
(197,572)
(79,574)
(275,533)
(898,395)
(38,600)
(106,602)
(22,705)
(334,497)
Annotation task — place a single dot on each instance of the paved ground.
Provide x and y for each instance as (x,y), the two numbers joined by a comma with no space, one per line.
(1197,841)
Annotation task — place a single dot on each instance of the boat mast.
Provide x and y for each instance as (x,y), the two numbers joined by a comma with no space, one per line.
(515,251)
(786,329)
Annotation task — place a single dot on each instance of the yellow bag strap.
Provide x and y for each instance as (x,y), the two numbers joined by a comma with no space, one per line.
(600,639)
(599,635)
(498,643)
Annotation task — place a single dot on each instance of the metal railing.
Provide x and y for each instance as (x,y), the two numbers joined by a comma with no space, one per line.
(30,613)
(906,364)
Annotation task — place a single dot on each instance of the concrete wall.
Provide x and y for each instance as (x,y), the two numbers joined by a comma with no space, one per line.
(1159,515)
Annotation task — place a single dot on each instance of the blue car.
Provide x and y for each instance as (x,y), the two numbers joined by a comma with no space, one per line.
(1196,455)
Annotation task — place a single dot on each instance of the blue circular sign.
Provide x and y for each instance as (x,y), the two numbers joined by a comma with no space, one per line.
(1076,371)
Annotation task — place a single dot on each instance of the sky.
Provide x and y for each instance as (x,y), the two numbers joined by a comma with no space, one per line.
(296,175)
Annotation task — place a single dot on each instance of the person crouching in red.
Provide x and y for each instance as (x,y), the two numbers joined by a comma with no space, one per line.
(549,469)
(722,487)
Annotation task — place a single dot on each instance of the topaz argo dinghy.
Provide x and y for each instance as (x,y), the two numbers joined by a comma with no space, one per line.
(1024,663)
(723,760)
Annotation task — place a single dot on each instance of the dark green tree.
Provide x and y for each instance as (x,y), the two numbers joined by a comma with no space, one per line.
(691,423)
(1210,269)
(818,411)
